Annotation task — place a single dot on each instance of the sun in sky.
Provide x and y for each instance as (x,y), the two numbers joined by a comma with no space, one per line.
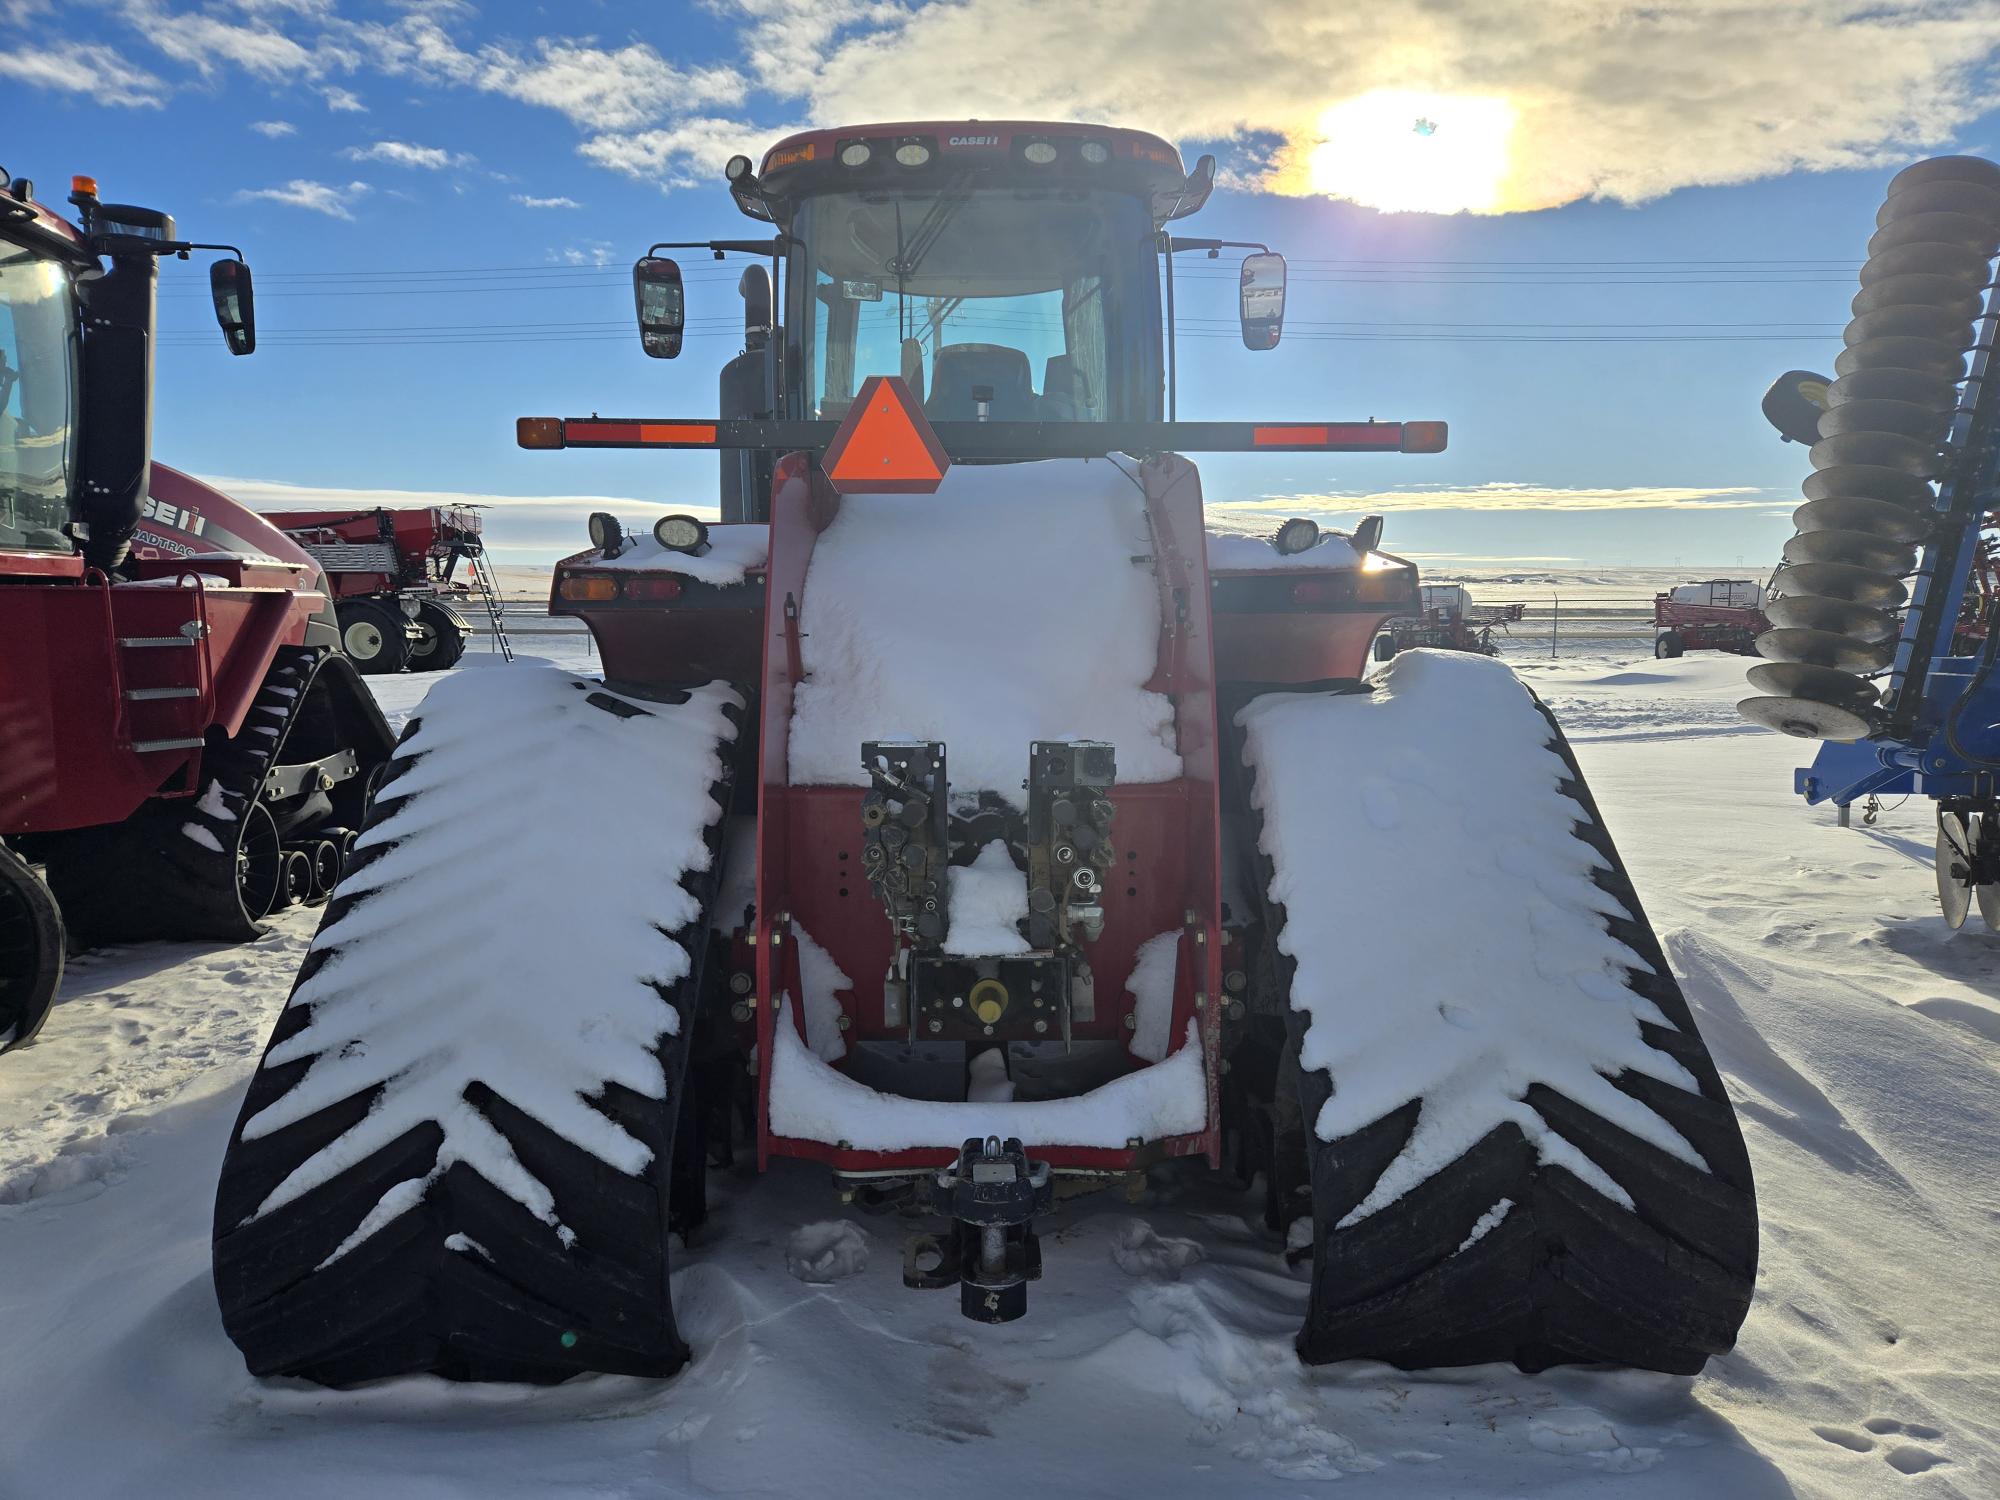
(1405,151)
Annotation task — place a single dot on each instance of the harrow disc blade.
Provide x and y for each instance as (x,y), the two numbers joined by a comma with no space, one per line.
(1944,305)
(1987,895)
(1856,548)
(1835,616)
(1871,483)
(1954,867)
(1925,424)
(1849,515)
(1976,200)
(1790,679)
(1902,354)
(1843,581)
(1822,648)
(1961,263)
(1944,169)
(1938,324)
(1933,392)
(1880,450)
(1805,719)
(1973,233)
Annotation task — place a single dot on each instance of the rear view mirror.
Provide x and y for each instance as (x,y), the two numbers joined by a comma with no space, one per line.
(1793,404)
(235,309)
(1262,300)
(662,305)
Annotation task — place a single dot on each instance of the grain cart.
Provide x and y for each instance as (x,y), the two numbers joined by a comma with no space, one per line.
(1884,642)
(182,747)
(959,816)
(395,581)
(1448,620)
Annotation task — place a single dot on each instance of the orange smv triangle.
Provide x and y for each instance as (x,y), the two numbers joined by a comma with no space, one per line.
(886,443)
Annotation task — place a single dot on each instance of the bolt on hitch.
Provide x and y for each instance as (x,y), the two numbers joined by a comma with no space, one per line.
(990,1251)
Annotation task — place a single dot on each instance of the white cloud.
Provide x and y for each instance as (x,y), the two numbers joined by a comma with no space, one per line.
(343,102)
(600,89)
(274,129)
(528,200)
(403,154)
(320,197)
(202,41)
(688,153)
(592,253)
(1499,495)
(83,68)
(1606,98)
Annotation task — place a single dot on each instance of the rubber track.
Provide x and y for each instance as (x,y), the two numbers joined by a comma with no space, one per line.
(147,878)
(524,1306)
(1567,1276)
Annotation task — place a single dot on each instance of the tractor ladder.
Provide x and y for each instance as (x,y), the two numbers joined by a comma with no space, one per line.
(489,595)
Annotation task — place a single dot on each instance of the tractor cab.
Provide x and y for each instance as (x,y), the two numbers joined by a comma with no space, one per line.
(1004,272)
(76,371)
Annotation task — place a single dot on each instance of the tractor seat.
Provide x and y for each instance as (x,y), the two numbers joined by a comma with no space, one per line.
(958,368)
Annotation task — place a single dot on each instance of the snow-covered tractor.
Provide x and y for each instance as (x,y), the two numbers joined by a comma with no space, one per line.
(183,749)
(959,815)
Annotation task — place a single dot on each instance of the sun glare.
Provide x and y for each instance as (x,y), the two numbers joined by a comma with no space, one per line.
(1408,152)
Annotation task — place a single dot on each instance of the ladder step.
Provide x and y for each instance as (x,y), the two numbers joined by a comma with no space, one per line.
(146,747)
(136,641)
(153,695)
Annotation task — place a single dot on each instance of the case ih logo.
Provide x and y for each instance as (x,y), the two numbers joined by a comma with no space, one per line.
(191,521)
(961,142)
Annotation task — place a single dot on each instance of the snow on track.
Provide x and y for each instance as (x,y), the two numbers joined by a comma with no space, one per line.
(1446,772)
(1860,1040)
(452,953)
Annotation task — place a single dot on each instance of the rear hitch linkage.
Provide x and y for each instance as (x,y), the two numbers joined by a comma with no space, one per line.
(990,1251)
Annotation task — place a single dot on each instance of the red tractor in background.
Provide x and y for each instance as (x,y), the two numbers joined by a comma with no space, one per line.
(182,746)
(392,575)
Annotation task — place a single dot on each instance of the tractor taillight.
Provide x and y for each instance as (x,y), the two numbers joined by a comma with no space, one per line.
(1322,593)
(1383,586)
(1423,437)
(588,587)
(538,432)
(659,590)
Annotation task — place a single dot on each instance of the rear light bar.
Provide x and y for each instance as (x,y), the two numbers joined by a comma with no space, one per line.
(602,588)
(984,440)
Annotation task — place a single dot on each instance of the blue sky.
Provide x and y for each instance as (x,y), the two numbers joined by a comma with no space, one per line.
(441,202)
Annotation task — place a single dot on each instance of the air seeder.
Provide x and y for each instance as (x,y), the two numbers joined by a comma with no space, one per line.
(959,815)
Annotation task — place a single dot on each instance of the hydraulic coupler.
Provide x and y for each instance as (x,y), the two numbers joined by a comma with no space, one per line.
(991,1197)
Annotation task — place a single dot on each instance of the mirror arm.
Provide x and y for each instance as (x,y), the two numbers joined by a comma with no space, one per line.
(1213,246)
(773,246)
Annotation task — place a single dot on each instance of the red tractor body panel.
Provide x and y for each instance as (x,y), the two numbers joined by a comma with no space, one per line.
(81,697)
(1236,627)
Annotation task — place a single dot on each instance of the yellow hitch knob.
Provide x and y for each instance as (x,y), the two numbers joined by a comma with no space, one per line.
(989,1001)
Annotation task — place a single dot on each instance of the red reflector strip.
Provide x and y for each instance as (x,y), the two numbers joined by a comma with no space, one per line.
(1344,436)
(662,589)
(582,434)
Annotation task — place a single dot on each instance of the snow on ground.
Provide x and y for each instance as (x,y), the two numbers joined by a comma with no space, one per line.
(1860,1040)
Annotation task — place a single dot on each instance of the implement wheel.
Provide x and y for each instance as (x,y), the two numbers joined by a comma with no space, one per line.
(373,638)
(1669,646)
(444,638)
(31,951)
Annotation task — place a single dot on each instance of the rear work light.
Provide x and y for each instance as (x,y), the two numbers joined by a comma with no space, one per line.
(588,587)
(659,590)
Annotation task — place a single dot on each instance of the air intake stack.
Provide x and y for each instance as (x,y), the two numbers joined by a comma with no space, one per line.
(1871,501)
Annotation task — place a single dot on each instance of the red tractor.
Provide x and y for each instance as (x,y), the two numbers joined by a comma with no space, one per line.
(393,577)
(959,816)
(183,749)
